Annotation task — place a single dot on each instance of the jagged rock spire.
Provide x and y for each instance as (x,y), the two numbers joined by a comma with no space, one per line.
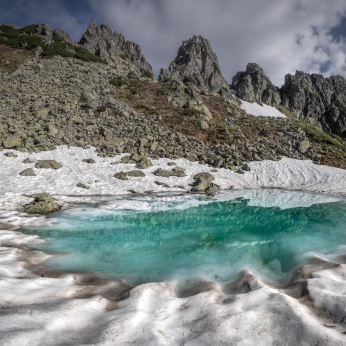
(254,86)
(317,99)
(100,39)
(197,60)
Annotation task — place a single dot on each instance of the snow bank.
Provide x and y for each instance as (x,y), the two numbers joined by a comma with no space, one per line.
(257,110)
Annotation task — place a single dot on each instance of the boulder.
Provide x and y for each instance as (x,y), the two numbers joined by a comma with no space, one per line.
(10,154)
(175,172)
(92,161)
(203,182)
(43,203)
(12,141)
(143,163)
(82,186)
(29,172)
(48,164)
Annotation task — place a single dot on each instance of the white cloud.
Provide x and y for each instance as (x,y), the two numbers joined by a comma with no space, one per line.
(280,35)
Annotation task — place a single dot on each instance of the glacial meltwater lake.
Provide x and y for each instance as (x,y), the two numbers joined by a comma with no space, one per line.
(153,238)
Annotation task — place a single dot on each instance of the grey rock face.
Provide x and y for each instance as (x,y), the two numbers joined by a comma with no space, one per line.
(62,34)
(317,99)
(254,86)
(196,59)
(46,32)
(100,40)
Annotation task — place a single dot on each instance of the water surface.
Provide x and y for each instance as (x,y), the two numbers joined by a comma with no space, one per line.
(146,239)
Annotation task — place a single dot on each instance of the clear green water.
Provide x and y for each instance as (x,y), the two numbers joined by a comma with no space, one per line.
(182,237)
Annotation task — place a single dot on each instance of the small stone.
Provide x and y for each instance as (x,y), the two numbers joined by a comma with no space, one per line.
(239,171)
(144,163)
(161,184)
(120,176)
(82,186)
(89,161)
(27,160)
(135,174)
(10,155)
(207,176)
(245,167)
(115,163)
(149,192)
(29,172)
(180,187)
(171,164)
(48,164)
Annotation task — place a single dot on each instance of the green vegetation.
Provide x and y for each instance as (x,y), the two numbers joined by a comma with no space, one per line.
(118,82)
(270,84)
(216,67)
(285,111)
(122,56)
(321,137)
(101,108)
(147,74)
(27,39)
(188,79)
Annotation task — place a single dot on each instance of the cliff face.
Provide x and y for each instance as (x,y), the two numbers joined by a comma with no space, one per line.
(100,40)
(197,61)
(254,86)
(319,100)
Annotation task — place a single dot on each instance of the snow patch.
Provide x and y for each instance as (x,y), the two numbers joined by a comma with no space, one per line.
(257,110)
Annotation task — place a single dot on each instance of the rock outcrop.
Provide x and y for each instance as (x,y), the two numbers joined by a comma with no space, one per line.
(317,99)
(100,40)
(254,86)
(196,63)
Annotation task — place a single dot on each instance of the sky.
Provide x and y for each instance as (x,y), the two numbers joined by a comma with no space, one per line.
(282,36)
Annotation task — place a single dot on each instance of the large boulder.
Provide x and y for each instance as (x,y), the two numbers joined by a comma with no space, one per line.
(43,203)
(254,86)
(12,141)
(203,182)
(196,63)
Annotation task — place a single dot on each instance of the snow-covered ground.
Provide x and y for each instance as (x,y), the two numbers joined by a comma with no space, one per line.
(257,110)
(77,309)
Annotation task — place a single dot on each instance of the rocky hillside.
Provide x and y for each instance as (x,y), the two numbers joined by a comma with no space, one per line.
(52,99)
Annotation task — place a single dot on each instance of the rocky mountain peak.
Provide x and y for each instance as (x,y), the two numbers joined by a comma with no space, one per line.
(100,40)
(196,60)
(317,99)
(254,86)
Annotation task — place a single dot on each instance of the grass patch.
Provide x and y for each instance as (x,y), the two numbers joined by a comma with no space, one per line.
(147,74)
(11,59)
(321,137)
(101,109)
(285,111)
(188,79)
